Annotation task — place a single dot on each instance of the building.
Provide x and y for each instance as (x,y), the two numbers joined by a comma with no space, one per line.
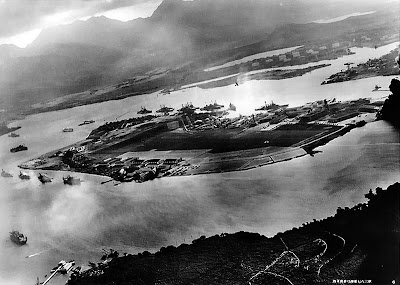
(336,45)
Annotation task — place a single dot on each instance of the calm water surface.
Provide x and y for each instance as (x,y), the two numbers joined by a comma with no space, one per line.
(76,222)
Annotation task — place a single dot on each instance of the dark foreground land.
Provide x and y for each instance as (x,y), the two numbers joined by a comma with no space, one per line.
(359,243)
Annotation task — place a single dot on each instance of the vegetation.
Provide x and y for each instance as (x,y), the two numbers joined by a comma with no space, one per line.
(359,243)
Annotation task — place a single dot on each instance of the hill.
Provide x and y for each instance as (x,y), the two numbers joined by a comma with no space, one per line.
(359,243)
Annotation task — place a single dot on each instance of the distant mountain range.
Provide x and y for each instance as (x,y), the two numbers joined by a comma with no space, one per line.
(86,54)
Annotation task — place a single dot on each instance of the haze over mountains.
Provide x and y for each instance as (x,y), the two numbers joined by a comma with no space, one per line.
(86,54)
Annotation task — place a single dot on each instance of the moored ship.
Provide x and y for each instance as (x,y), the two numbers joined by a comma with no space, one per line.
(24,175)
(271,106)
(86,122)
(18,238)
(21,147)
(70,180)
(44,178)
(13,135)
(5,174)
(165,110)
(143,111)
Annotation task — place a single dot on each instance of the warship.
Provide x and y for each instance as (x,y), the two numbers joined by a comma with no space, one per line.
(44,178)
(71,180)
(18,238)
(5,174)
(212,107)
(21,147)
(13,135)
(143,111)
(165,110)
(86,122)
(271,106)
(24,175)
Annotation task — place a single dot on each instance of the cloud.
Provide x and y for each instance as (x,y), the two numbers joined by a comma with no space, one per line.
(18,16)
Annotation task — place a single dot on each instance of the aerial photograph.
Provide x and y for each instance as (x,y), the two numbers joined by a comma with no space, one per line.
(199,142)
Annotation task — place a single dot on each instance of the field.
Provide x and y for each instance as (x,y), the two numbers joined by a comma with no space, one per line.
(220,140)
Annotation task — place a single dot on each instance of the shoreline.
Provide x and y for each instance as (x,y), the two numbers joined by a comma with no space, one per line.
(301,149)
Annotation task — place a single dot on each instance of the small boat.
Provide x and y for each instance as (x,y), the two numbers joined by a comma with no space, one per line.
(86,122)
(232,107)
(44,178)
(71,180)
(68,130)
(21,147)
(24,175)
(18,238)
(13,135)
(5,174)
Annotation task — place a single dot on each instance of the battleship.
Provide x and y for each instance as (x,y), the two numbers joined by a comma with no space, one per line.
(165,110)
(86,122)
(189,108)
(44,178)
(18,238)
(13,135)
(212,107)
(70,180)
(68,130)
(143,111)
(271,106)
(5,174)
(21,147)
(24,175)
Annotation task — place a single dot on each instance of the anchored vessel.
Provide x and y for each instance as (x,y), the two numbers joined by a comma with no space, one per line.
(165,110)
(13,135)
(24,175)
(5,174)
(86,122)
(143,110)
(271,106)
(18,238)
(71,180)
(44,178)
(212,107)
(21,147)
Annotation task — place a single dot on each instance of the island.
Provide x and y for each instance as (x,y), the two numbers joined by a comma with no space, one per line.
(382,66)
(194,141)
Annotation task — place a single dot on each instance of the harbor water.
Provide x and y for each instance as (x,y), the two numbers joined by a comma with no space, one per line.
(77,222)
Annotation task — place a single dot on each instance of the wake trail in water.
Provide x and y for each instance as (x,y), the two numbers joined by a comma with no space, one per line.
(37,253)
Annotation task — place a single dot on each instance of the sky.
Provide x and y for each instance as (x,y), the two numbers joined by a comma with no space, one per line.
(21,21)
